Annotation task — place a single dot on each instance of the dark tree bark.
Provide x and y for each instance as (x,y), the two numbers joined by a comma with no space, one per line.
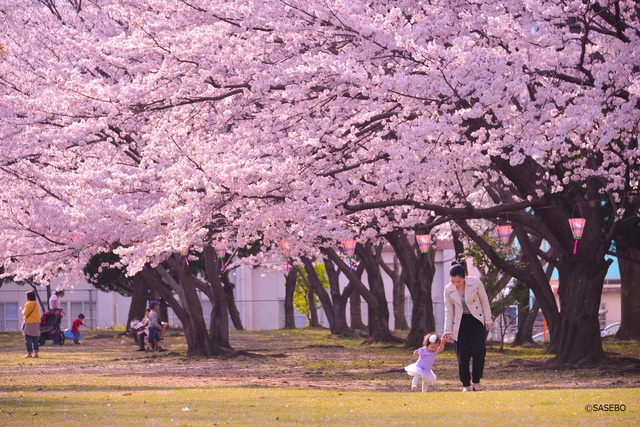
(370,257)
(339,325)
(194,345)
(526,321)
(231,302)
(185,288)
(315,286)
(333,304)
(290,287)
(419,270)
(219,323)
(628,251)
(525,327)
(579,331)
(629,264)
(139,298)
(378,329)
(398,278)
(313,311)
(355,310)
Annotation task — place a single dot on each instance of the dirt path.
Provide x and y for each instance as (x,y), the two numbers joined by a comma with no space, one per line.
(314,360)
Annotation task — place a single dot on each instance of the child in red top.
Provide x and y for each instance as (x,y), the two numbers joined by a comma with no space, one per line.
(75,328)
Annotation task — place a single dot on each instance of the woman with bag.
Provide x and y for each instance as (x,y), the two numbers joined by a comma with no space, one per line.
(31,325)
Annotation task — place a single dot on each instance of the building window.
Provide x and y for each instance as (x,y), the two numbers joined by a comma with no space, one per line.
(85,307)
(9,316)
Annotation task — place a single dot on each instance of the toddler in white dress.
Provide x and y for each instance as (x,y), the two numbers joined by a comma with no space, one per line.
(426,355)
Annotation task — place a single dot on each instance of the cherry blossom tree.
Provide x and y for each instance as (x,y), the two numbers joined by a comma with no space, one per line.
(146,128)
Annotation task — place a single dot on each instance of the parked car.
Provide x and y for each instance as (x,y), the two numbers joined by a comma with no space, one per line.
(610,330)
(539,337)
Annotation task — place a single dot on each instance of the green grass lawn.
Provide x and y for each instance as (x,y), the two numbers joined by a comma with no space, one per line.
(210,406)
(104,382)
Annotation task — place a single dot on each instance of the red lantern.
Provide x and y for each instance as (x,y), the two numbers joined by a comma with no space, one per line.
(221,252)
(286,251)
(349,247)
(577,228)
(504,233)
(424,242)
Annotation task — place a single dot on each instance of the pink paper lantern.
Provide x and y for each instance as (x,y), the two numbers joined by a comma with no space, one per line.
(349,246)
(424,242)
(221,252)
(504,233)
(285,248)
(577,228)
(286,251)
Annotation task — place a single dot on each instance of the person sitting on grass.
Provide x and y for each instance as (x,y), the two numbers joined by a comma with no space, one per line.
(141,329)
(155,326)
(75,328)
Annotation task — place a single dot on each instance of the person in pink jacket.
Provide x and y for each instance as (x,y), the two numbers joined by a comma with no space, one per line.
(467,319)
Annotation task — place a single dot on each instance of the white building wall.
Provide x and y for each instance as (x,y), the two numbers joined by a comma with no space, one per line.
(102,309)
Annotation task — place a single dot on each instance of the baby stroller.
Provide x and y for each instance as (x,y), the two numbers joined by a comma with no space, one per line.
(50,326)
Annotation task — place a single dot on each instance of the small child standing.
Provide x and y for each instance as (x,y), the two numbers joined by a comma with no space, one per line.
(431,345)
(75,328)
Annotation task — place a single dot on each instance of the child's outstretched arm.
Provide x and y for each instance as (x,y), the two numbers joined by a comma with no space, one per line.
(441,346)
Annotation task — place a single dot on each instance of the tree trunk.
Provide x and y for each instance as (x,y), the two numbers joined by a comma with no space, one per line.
(355,311)
(139,298)
(378,314)
(419,270)
(186,291)
(577,338)
(193,347)
(219,323)
(629,264)
(399,300)
(290,286)
(231,302)
(339,325)
(378,329)
(398,278)
(313,311)
(315,286)
(526,320)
